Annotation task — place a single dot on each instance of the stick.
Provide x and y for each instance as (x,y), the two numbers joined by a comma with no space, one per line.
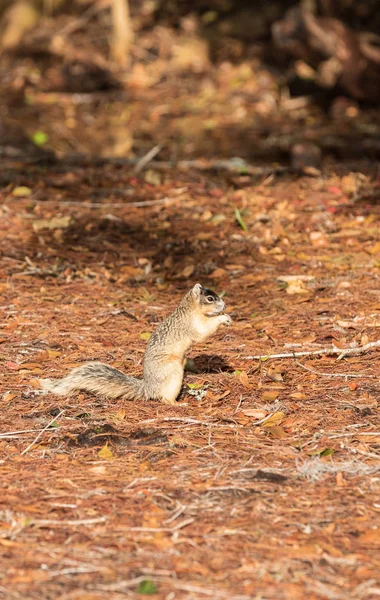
(45,522)
(41,432)
(11,434)
(145,160)
(103,204)
(341,351)
(335,374)
(122,33)
(353,434)
(362,452)
(180,525)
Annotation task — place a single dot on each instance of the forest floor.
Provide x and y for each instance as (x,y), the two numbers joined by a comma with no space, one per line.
(263,482)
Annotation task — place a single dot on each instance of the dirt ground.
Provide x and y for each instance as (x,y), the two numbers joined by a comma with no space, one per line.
(263,482)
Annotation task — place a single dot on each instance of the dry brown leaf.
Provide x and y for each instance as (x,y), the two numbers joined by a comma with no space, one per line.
(277,431)
(298,396)
(269,395)
(188,271)
(296,287)
(218,273)
(243,378)
(220,396)
(8,396)
(121,414)
(255,413)
(375,249)
(370,537)
(241,418)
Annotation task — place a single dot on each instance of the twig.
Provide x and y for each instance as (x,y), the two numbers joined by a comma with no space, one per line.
(147,158)
(85,204)
(176,514)
(80,22)
(335,374)
(44,522)
(42,431)
(12,434)
(74,571)
(180,525)
(353,434)
(362,452)
(341,351)
(122,32)
(184,420)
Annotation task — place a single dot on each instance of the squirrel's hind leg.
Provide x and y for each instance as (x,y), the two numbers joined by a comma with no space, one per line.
(171,386)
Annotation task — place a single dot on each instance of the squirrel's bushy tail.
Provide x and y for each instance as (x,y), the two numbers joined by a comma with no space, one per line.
(100,379)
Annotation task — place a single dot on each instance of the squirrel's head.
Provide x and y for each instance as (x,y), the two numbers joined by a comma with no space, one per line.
(210,303)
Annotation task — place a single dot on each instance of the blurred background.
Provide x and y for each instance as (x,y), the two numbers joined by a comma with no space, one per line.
(282,80)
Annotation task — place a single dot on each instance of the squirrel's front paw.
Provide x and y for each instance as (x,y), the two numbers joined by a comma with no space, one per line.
(226,320)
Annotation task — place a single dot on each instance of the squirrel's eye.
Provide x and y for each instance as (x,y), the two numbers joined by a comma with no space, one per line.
(210,299)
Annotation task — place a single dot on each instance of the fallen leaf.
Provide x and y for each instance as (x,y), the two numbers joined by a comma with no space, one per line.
(121,414)
(274,419)
(255,413)
(296,287)
(340,480)
(241,418)
(240,219)
(218,273)
(21,191)
(8,396)
(106,452)
(226,393)
(188,271)
(374,249)
(145,335)
(147,587)
(269,395)
(29,366)
(298,396)
(276,431)
(54,223)
(53,354)
(290,278)
(243,378)
(275,374)
(12,365)
(370,537)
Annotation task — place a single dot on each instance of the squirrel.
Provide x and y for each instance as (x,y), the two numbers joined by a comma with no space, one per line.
(197,317)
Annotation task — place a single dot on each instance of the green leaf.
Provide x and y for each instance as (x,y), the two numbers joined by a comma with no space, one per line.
(326,452)
(147,587)
(40,138)
(240,219)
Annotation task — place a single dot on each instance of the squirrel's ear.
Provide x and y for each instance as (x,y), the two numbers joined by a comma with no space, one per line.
(197,289)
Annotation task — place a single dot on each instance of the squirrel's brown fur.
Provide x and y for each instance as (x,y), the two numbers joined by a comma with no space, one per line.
(197,317)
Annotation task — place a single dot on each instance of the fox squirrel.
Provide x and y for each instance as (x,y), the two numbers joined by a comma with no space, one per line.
(197,317)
